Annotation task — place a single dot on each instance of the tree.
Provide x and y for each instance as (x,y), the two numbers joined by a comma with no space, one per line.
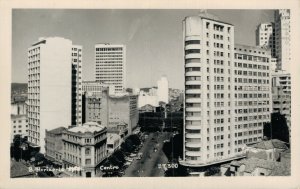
(16,147)
(278,128)
(212,171)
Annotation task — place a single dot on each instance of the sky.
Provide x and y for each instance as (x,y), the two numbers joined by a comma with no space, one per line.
(153,38)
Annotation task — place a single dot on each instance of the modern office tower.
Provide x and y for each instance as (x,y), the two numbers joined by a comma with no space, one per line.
(49,87)
(84,148)
(283,39)
(76,85)
(265,36)
(163,90)
(281,90)
(222,107)
(252,94)
(111,65)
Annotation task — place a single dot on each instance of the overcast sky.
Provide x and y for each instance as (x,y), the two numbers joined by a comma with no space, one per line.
(153,37)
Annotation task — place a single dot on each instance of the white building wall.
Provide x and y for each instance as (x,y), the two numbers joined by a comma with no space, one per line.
(163,90)
(50,100)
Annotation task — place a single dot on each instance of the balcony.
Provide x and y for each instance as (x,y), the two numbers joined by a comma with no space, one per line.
(193,73)
(192,46)
(192,135)
(192,153)
(193,100)
(192,118)
(193,82)
(193,144)
(193,91)
(191,65)
(193,109)
(193,55)
(193,127)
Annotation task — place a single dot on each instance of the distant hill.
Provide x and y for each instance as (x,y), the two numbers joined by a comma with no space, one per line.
(19,88)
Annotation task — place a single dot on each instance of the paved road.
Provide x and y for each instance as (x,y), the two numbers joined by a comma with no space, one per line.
(148,165)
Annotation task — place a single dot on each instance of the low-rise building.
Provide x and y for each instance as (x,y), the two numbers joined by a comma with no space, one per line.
(54,145)
(84,149)
(113,142)
(19,126)
(264,158)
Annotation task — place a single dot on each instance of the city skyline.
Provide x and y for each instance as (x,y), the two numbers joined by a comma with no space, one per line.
(146,33)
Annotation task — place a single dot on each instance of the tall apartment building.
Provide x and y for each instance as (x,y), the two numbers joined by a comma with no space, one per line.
(220,103)
(111,65)
(265,36)
(50,80)
(283,39)
(163,90)
(76,85)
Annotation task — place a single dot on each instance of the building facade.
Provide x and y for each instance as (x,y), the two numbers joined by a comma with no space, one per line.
(50,87)
(221,104)
(92,107)
(111,65)
(252,93)
(265,36)
(84,148)
(93,87)
(283,39)
(19,108)
(76,85)
(121,108)
(208,57)
(54,145)
(19,126)
(281,91)
(163,90)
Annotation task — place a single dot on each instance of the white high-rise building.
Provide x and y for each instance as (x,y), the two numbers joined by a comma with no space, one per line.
(283,39)
(227,92)
(163,90)
(111,65)
(50,79)
(265,36)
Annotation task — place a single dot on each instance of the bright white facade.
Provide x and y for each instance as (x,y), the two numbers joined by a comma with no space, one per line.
(111,65)
(265,36)
(145,98)
(283,39)
(163,90)
(222,107)
(49,87)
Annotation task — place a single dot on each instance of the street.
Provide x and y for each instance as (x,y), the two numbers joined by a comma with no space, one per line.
(148,165)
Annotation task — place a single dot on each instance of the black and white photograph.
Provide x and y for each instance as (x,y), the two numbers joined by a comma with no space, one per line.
(109,92)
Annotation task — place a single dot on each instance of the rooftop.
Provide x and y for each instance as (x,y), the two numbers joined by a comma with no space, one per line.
(18,169)
(252,163)
(270,144)
(58,130)
(88,127)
